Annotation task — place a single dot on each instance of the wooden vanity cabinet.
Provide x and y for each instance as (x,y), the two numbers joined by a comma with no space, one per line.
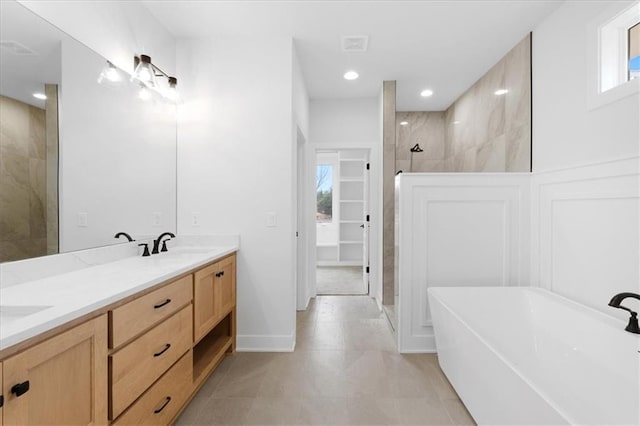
(1,394)
(214,295)
(62,380)
(149,335)
(214,316)
(137,362)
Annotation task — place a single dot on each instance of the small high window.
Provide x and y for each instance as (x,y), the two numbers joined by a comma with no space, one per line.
(619,45)
(634,51)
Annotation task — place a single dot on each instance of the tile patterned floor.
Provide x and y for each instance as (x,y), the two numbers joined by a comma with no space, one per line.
(345,371)
(340,280)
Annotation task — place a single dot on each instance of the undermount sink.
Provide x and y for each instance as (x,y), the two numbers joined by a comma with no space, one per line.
(191,250)
(12,313)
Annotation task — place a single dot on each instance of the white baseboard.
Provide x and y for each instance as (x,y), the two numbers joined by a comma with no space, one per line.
(265,343)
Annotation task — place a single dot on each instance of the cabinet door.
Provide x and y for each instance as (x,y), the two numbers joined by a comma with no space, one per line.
(225,287)
(203,301)
(1,395)
(64,379)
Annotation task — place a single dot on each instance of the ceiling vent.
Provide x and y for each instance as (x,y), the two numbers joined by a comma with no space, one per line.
(355,43)
(16,48)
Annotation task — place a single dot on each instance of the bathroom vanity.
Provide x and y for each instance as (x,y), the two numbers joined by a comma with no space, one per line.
(138,355)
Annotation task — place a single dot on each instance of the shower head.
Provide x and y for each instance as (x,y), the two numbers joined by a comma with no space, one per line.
(416,148)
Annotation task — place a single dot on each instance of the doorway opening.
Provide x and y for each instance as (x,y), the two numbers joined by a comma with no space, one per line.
(342,222)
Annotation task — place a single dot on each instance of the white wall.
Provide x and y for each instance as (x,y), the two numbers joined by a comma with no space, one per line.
(235,166)
(117,30)
(300,136)
(344,120)
(456,229)
(353,123)
(585,163)
(300,98)
(566,132)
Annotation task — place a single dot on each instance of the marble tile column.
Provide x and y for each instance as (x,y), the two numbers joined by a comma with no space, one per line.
(51,120)
(388,190)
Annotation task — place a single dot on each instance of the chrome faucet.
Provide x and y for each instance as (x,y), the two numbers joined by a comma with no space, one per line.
(156,242)
(633,326)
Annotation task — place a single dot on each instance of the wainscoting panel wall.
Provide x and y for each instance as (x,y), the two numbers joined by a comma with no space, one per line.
(456,230)
(586,227)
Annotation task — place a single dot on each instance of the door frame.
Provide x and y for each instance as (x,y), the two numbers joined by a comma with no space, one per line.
(375,211)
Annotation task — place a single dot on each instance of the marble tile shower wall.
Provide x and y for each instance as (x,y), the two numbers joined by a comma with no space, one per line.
(480,131)
(427,130)
(22,181)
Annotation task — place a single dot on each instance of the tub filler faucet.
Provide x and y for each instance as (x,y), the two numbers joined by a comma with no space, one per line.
(632,327)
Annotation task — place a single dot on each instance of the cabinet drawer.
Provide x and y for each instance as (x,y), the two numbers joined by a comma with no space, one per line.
(137,365)
(160,404)
(127,321)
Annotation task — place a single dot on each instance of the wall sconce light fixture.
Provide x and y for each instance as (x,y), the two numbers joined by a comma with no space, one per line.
(110,73)
(146,72)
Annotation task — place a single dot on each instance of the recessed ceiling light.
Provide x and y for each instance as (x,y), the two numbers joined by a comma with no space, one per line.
(351,75)
(501,92)
(426,93)
(404,123)
(39,96)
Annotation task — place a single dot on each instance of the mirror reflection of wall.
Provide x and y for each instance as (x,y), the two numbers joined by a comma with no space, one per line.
(118,159)
(117,152)
(28,194)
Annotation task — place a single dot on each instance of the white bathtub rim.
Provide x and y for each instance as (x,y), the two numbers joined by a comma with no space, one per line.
(542,395)
(610,319)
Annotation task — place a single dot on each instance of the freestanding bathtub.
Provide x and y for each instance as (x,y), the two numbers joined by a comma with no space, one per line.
(526,356)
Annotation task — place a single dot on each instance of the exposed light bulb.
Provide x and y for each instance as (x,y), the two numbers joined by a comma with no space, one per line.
(110,73)
(40,96)
(144,71)
(144,75)
(171,92)
(426,93)
(144,93)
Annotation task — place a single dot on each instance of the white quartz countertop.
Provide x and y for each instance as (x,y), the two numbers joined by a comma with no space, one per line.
(33,307)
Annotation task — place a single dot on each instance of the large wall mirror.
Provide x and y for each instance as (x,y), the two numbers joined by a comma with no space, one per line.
(92,159)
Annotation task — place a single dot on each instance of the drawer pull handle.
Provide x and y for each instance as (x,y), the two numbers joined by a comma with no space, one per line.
(160,305)
(20,388)
(222,274)
(1,400)
(166,348)
(219,274)
(166,402)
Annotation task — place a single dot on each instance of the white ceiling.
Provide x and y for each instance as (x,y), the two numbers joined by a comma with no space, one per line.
(23,75)
(442,45)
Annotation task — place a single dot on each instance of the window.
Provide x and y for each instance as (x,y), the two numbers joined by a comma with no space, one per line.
(324,193)
(634,51)
(613,47)
(619,44)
